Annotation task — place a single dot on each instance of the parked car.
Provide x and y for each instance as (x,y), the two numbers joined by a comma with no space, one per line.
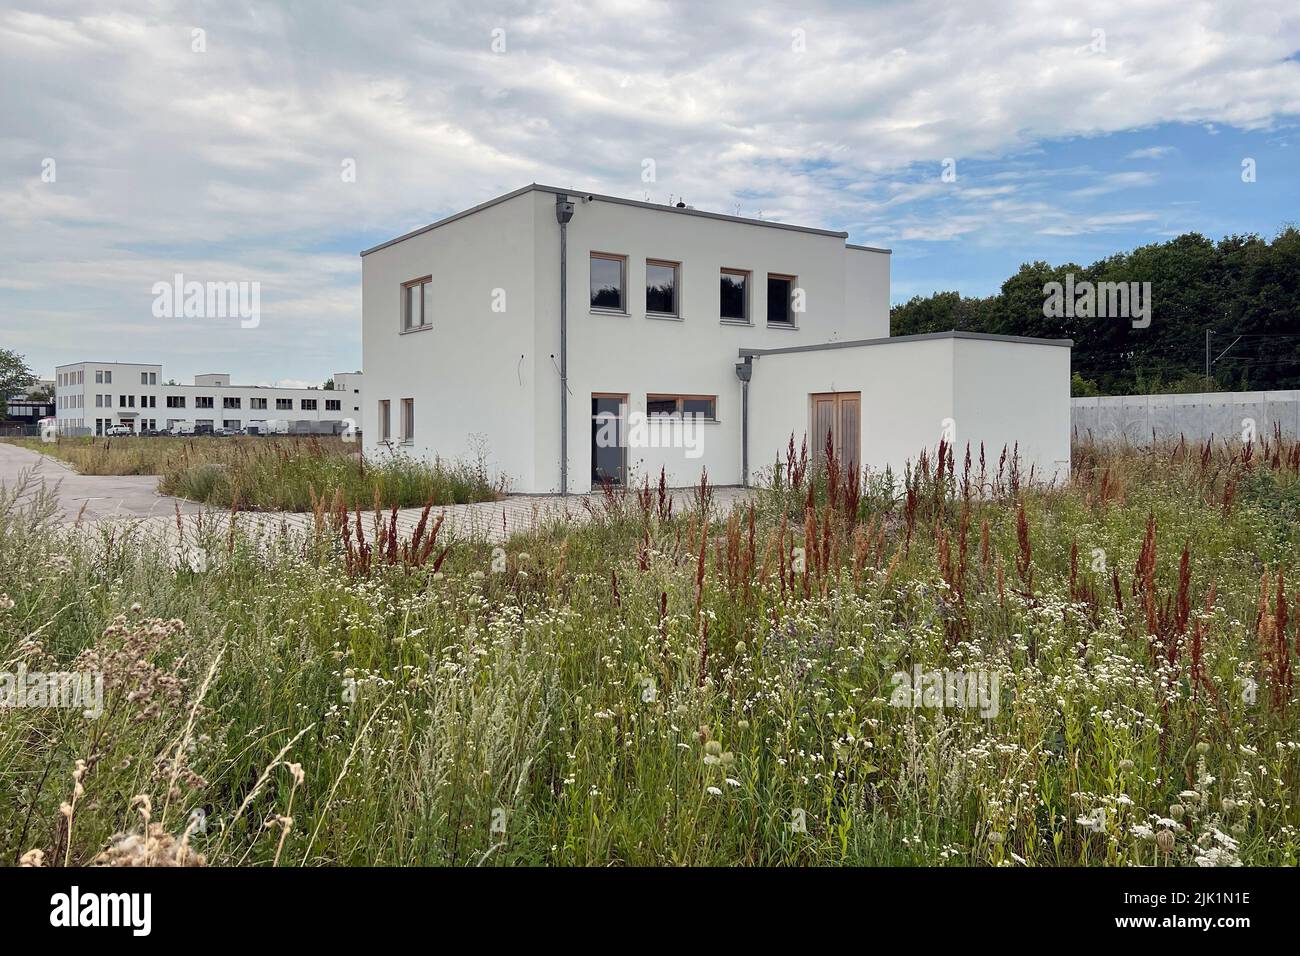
(118,431)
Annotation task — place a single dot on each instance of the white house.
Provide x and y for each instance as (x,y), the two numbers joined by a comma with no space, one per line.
(533,327)
(92,396)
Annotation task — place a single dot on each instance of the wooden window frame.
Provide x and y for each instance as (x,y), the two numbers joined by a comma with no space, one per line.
(792,322)
(748,275)
(677,288)
(622,265)
(426,321)
(407,434)
(681,399)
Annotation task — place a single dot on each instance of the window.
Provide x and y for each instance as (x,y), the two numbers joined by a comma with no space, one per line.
(284,404)
(175,401)
(99,401)
(780,299)
(417,304)
(308,404)
(705,406)
(144,378)
(202,401)
(99,376)
(108,377)
(256,402)
(333,405)
(385,421)
(734,300)
(153,378)
(231,402)
(607,282)
(233,424)
(660,287)
(408,419)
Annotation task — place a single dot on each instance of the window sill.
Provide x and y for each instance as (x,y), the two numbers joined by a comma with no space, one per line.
(416,328)
(614,312)
(788,326)
(664,317)
(736,322)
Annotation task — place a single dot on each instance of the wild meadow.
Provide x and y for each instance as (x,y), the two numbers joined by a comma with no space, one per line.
(956,666)
(274,473)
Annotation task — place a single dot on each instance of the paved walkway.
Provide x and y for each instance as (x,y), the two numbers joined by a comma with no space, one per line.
(135,499)
(102,496)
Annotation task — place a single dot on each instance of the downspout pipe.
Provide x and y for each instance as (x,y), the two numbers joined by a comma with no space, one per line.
(744,372)
(564,213)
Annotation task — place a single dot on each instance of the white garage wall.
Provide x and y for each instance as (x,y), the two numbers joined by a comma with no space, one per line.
(906,388)
(1009,392)
(999,392)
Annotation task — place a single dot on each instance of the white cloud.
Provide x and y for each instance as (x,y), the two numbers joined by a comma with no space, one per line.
(1152,152)
(226,164)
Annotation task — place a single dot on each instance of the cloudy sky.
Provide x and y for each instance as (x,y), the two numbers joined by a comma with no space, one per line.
(216,140)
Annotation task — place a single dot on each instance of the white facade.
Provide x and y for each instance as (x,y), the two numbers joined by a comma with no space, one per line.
(469,363)
(91,397)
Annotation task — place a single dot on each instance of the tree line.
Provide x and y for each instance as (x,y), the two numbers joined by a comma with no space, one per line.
(1244,289)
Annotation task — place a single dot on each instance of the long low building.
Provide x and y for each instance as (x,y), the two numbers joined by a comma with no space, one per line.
(91,397)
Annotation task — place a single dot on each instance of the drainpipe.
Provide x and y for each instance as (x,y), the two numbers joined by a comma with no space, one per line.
(744,372)
(563,213)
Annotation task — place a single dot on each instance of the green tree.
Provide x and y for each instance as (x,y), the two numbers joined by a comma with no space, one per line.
(15,375)
(1243,289)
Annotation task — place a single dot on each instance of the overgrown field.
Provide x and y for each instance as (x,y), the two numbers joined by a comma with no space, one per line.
(273,473)
(668,686)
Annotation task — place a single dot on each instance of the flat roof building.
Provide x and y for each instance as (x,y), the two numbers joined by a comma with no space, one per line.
(91,397)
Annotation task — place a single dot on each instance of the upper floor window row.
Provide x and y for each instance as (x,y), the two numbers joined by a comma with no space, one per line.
(608,291)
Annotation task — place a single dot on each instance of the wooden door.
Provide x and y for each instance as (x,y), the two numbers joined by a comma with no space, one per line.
(839,416)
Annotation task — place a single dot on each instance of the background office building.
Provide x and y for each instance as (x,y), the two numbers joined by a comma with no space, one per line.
(91,397)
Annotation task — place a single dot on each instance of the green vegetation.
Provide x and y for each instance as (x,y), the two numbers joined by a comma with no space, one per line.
(274,473)
(1240,286)
(652,687)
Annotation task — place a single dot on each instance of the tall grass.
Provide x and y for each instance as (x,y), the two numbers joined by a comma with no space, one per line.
(664,685)
(275,473)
